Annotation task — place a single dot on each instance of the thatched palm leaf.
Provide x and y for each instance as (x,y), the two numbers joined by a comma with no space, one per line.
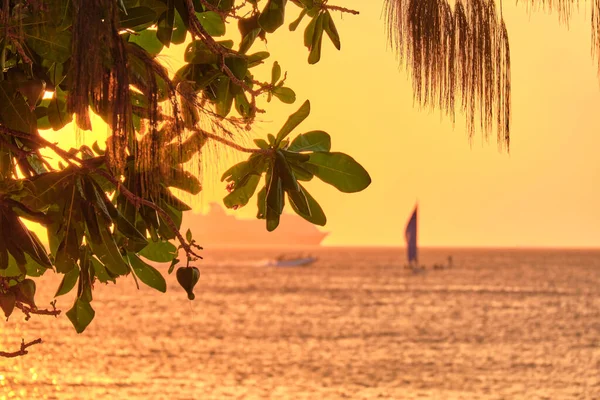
(458,55)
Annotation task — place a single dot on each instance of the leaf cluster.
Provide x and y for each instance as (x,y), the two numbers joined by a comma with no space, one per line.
(109,211)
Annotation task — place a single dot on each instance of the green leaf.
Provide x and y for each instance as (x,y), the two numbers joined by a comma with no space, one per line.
(179,29)
(198,53)
(294,25)
(341,171)
(58,116)
(262,203)
(224,98)
(275,73)
(275,200)
(212,23)
(272,220)
(228,44)
(285,94)
(81,314)
(331,30)
(188,235)
(301,173)
(147,274)
(161,251)
(138,18)
(254,165)
(316,216)
(25,292)
(298,158)
(100,271)
(317,40)
(158,6)
(311,141)
(14,111)
(242,105)
(257,58)
(184,180)
(293,121)
(238,66)
(104,246)
(68,250)
(49,43)
(248,40)
(7,303)
(309,33)
(240,196)
(261,144)
(284,171)
(135,239)
(166,23)
(173,265)
(148,41)
(273,15)
(299,201)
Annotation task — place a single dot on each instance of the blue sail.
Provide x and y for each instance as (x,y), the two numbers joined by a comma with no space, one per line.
(411,237)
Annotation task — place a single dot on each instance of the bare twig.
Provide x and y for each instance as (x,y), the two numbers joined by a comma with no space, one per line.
(338,8)
(223,14)
(29,310)
(41,141)
(230,143)
(22,351)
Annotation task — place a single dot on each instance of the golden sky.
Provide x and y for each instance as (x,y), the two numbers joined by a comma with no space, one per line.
(546,192)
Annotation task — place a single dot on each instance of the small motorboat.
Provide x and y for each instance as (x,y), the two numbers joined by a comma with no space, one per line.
(292,262)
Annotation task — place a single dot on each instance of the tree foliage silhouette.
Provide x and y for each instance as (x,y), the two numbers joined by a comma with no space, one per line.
(109,209)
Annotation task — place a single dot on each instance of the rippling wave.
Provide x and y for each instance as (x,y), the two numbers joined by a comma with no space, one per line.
(500,325)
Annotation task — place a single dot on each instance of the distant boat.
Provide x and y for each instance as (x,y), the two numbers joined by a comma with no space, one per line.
(412,251)
(410,235)
(292,262)
(219,229)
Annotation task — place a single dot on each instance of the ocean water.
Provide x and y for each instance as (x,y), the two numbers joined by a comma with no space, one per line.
(502,324)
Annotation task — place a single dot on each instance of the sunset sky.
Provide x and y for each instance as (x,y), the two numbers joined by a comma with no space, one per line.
(546,192)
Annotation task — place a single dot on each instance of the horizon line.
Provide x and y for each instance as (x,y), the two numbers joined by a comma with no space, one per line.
(475,247)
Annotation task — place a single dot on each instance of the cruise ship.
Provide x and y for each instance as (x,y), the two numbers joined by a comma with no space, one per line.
(217,229)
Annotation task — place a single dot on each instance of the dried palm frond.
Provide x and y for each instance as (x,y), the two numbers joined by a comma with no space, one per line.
(94,22)
(459,50)
(456,53)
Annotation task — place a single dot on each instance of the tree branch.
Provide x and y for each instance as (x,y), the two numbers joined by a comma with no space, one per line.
(41,141)
(22,351)
(230,143)
(29,310)
(338,8)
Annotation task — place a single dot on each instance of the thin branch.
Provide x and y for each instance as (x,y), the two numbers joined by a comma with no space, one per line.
(29,310)
(230,143)
(338,8)
(22,351)
(223,14)
(41,141)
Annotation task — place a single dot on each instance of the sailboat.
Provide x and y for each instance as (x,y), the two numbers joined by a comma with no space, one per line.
(410,234)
